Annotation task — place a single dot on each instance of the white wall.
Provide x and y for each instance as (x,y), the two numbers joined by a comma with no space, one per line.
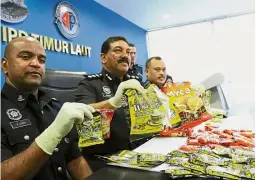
(194,52)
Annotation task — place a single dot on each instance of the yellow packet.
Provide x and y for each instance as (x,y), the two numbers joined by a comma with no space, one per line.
(90,131)
(146,111)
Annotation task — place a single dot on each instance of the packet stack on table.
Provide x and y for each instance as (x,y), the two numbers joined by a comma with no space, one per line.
(211,161)
(226,137)
(94,131)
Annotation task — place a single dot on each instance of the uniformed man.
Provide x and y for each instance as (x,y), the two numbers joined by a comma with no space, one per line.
(35,140)
(134,69)
(155,72)
(105,91)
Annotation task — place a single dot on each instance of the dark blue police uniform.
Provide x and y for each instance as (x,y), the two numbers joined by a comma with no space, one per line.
(23,118)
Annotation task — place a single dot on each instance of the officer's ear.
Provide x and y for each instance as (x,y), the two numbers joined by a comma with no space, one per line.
(146,71)
(103,58)
(4,64)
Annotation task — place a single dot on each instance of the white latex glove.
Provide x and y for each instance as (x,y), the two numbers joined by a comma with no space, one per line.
(62,125)
(116,101)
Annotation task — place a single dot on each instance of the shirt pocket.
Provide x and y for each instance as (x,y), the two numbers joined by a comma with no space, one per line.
(20,138)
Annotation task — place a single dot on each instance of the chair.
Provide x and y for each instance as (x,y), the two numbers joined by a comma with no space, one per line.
(61,85)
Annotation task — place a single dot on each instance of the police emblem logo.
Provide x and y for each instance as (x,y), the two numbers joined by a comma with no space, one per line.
(14,114)
(106,90)
(67,20)
(13,11)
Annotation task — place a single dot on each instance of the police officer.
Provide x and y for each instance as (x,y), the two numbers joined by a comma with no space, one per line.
(105,91)
(155,72)
(134,69)
(35,140)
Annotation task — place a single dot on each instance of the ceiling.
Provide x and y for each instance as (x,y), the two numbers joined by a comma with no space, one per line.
(158,14)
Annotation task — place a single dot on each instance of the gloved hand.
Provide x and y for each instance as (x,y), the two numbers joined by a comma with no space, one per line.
(116,101)
(62,125)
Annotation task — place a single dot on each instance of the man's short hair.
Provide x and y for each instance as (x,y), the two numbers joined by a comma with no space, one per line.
(106,45)
(152,58)
(131,45)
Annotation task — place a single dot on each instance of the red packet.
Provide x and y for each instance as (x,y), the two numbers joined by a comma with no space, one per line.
(106,117)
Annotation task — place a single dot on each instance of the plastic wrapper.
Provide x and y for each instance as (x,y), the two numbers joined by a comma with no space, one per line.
(146,111)
(223,151)
(176,160)
(231,172)
(179,153)
(192,166)
(180,172)
(244,141)
(89,131)
(184,162)
(148,159)
(124,156)
(208,151)
(106,117)
(221,172)
(187,101)
(189,148)
(205,159)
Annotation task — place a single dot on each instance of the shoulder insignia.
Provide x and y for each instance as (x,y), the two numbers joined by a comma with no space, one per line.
(93,76)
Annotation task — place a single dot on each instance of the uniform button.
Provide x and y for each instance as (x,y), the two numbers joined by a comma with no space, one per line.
(56,149)
(42,112)
(67,140)
(26,137)
(60,169)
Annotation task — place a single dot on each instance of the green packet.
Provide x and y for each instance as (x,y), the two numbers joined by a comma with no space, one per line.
(246,170)
(147,112)
(179,153)
(221,172)
(205,159)
(123,156)
(207,150)
(179,172)
(89,131)
(243,153)
(148,159)
(222,151)
(176,160)
(230,172)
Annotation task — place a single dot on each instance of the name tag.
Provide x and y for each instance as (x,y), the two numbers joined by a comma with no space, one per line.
(20,123)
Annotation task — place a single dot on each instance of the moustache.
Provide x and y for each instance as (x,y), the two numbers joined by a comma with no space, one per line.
(122,60)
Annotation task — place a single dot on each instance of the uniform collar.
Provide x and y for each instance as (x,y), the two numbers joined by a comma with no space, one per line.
(19,97)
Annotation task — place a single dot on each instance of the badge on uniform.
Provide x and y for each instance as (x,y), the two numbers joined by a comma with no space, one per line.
(15,115)
(106,92)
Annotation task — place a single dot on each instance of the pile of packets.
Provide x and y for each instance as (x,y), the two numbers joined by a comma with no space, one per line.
(234,162)
(224,137)
(94,131)
(211,161)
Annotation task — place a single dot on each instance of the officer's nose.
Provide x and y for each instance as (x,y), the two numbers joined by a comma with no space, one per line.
(35,62)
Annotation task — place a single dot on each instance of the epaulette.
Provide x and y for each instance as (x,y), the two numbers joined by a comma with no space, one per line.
(93,76)
(133,77)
